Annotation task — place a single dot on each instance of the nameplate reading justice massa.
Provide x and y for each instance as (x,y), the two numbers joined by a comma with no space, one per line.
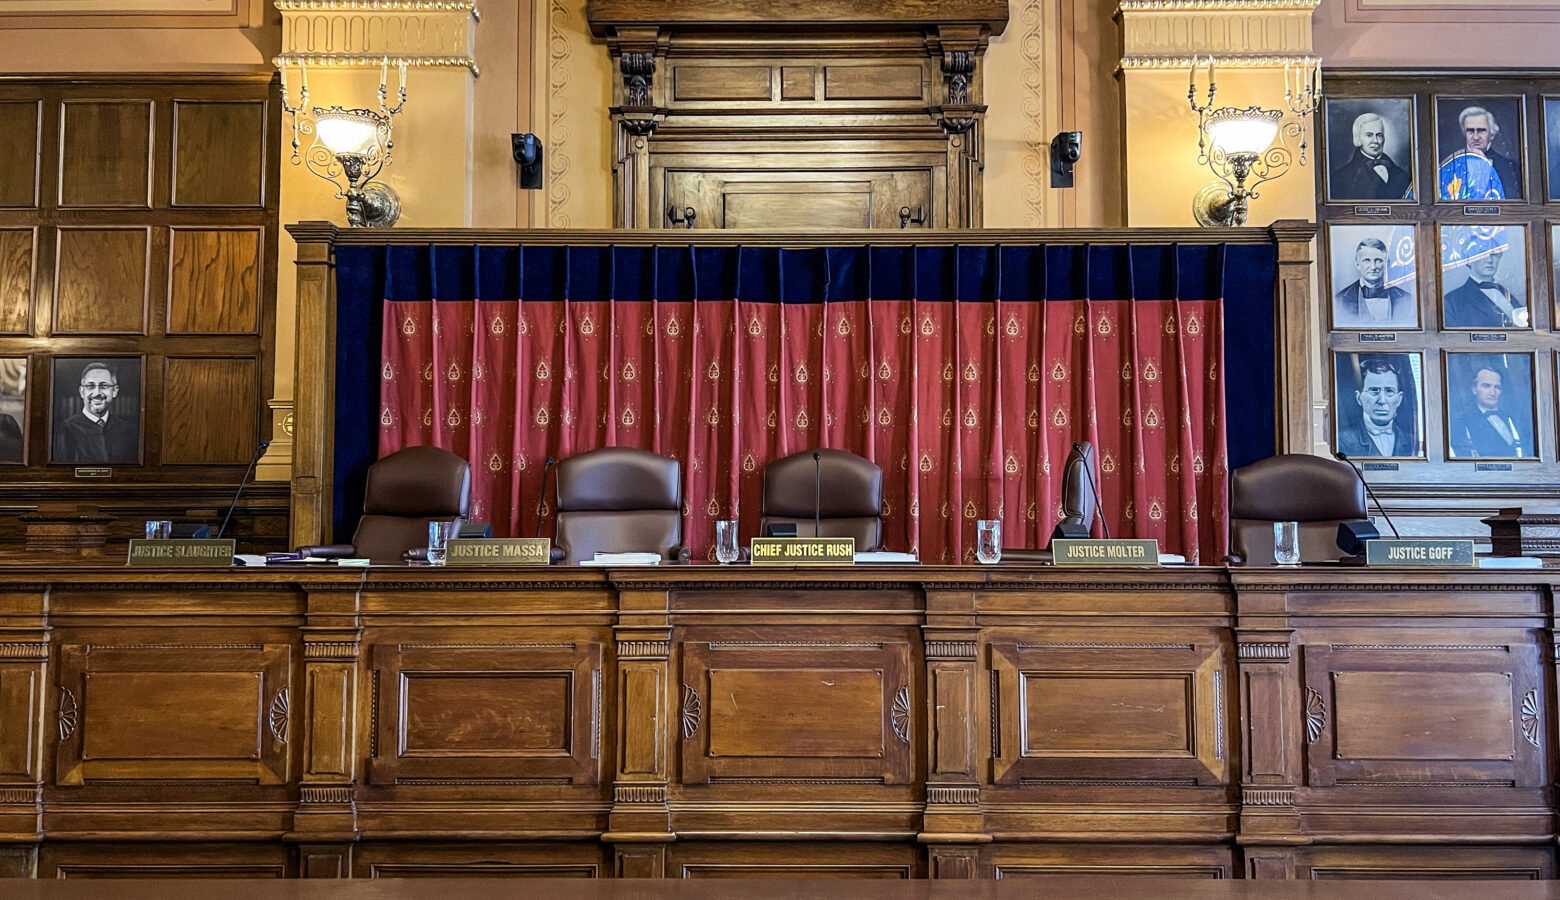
(216,553)
(802,551)
(1108,552)
(1418,552)
(498,552)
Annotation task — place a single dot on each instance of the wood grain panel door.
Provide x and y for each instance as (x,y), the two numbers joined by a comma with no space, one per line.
(173,712)
(1075,713)
(449,713)
(757,711)
(801,199)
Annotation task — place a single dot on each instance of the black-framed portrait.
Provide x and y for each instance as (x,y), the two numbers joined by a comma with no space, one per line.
(1484,276)
(1489,406)
(1370,149)
(1374,280)
(1377,407)
(95,410)
(1552,147)
(1479,149)
(13,409)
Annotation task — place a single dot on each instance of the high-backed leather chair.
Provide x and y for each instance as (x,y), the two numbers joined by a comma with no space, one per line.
(406,490)
(1318,493)
(1078,505)
(849,504)
(618,500)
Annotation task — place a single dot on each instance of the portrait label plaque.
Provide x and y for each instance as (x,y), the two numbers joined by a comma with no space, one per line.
(1380,467)
(1486,338)
(192,553)
(1373,210)
(802,551)
(1104,552)
(499,552)
(1492,467)
(1418,552)
(1481,210)
(94,472)
(1377,337)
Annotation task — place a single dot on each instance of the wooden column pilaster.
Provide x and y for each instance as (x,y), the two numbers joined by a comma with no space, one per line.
(953,827)
(1292,383)
(1273,729)
(314,397)
(639,825)
(25,710)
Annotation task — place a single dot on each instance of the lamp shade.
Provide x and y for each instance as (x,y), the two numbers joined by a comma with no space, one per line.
(347,131)
(1243,131)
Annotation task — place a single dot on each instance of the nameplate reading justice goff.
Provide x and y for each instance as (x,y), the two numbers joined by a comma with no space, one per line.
(498,552)
(803,551)
(215,553)
(1108,552)
(1418,552)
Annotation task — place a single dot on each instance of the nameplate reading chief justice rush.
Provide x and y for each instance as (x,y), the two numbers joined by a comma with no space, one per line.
(802,551)
(215,553)
(1106,552)
(1418,552)
(498,552)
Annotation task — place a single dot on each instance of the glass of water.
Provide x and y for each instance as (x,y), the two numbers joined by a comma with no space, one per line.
(1286,543)
(726,541)
(438,542)
(158,529)
(988,541)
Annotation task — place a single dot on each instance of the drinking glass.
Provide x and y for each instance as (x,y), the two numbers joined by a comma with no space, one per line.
(988,541)
(726,541)
(158,529)
(1286,543)
(438,542)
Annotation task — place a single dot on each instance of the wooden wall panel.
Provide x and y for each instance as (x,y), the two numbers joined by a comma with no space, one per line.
(214,281)
(105,153)
(18,265)
(101,281)
(209,415)
(19,150)
(873,83)
(219,153)
(722,83)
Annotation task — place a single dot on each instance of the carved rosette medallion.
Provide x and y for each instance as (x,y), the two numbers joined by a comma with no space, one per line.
(276,717)
(68,713)
(692,711)
(1315,714)
(900,715)
(1530,717)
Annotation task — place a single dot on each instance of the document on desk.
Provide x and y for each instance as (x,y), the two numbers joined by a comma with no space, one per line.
(623,559)
(887,557)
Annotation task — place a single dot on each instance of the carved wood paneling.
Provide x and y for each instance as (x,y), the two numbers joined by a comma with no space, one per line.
(101,281)
(18,276)
(214,281)
(211,411)
(20,700)
(106,153)
(219,150)
(19,153)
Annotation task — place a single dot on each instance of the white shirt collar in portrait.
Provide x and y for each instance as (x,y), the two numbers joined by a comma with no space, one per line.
(101,420)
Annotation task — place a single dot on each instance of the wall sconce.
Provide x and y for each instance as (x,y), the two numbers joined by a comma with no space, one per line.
(350,147)
(1237,144)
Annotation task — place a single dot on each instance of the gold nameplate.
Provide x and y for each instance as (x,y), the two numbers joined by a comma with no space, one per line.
(802,551)
(498,552)
(1104,552)
(215,553)
(1418,552)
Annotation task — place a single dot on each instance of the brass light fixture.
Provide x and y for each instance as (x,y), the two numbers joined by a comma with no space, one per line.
(349,148)
(1237,144)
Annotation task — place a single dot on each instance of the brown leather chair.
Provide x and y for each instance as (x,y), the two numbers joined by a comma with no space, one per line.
(850,503)
(1318,493)
(618,500)
(1078,506)
(406,490)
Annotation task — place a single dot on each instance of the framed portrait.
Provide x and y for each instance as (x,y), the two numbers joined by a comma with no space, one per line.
(1374,278)
(1489,406)
(1552,148)
(13,410)
(1378,405)
(1484,277)
(1370,150)
(1479,144)
(95,410)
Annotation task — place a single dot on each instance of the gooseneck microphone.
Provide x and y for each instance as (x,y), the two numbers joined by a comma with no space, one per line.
(1088,472)
(817,491)
(541,496)
(253,461)
(1344,457)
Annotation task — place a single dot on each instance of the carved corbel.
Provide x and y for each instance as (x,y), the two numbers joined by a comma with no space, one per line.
(637,50)
(958,68)
(638,67)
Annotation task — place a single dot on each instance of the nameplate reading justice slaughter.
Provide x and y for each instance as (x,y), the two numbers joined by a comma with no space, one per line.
(802,551)
(216,553)
(498,552)
(1418,552)
(1108,552)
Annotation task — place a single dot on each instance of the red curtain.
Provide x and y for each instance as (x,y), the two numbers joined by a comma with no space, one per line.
(969,407)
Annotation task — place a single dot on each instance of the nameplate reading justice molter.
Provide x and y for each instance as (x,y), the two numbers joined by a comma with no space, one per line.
(498,552)
(1418,552)
(1108,552)
(802,551)
(216,553)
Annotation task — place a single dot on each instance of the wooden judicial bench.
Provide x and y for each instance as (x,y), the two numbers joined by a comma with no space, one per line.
(696,721)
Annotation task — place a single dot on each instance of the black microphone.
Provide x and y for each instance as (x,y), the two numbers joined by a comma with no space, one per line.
(541,496)
(253,461)
(817,490)
(1344,457)
(1088,472)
